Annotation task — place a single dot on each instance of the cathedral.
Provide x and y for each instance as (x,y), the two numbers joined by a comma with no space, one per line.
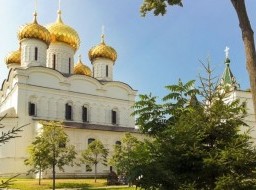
(44,83)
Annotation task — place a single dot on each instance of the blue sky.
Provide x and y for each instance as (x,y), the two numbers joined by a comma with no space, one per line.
(153,51)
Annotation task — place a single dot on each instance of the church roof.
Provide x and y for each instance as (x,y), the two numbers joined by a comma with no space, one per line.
(82,69)
(228,78)
(102,51)
(61,32)
(99,127)
(34,30)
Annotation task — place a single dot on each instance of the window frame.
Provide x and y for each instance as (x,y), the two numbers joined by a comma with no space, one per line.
(114,117)
(68,112)
(31,109)
(85,117)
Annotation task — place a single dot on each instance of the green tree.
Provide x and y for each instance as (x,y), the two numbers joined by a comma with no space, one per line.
(38,153)
(128,154)
(95,153)
(195,144)
(159,7)
(50,149)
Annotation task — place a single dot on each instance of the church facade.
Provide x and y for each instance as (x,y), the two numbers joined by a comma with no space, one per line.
(45,84)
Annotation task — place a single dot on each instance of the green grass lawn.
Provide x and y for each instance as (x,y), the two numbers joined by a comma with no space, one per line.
(84,184)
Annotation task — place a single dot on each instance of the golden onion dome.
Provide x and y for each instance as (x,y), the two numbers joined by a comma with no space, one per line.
(34,30)
(102,51)
(13,57)
(61,32)
(81,69)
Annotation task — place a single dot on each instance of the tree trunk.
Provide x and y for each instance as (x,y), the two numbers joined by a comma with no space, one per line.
(53,176)
(40,175)
(95,173)
(249,46)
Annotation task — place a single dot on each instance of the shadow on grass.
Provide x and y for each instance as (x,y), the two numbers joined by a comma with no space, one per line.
(83,186)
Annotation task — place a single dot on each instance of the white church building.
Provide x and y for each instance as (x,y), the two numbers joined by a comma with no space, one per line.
(229,80)
(44,83)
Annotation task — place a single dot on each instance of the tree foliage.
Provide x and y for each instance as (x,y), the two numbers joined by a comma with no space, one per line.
(159,7)
(10,134)
(129,153)
(50,149)
(195,141)
(95,153)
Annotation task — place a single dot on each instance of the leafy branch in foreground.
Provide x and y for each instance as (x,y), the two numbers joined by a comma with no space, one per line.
(4,138)
(10,134)
(8,182)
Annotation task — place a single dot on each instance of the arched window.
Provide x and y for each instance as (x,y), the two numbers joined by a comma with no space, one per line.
(36,53)
(68,112)
(31,109)
(90,140)
(114,117)
(106,70)
(54,61)
(84,114)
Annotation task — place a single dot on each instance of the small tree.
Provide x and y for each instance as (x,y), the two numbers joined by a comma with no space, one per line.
(50,149)
(38,158)
(128,155)
(95,153)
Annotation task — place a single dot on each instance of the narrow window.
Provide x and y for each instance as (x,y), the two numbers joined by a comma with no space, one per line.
(54,61)
(36,53)
(69,65)
(113,117)
(84,114)
(68,112)
(106,70)
(31,109)
(90,140)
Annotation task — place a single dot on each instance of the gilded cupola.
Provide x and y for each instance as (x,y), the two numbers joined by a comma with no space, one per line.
(82,69)
(34,30)
(13,57)
(102,51)
(61,32)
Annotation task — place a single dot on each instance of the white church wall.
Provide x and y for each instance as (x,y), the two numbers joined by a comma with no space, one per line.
(9,98)
(50,96)
(15,150)
(245,96)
